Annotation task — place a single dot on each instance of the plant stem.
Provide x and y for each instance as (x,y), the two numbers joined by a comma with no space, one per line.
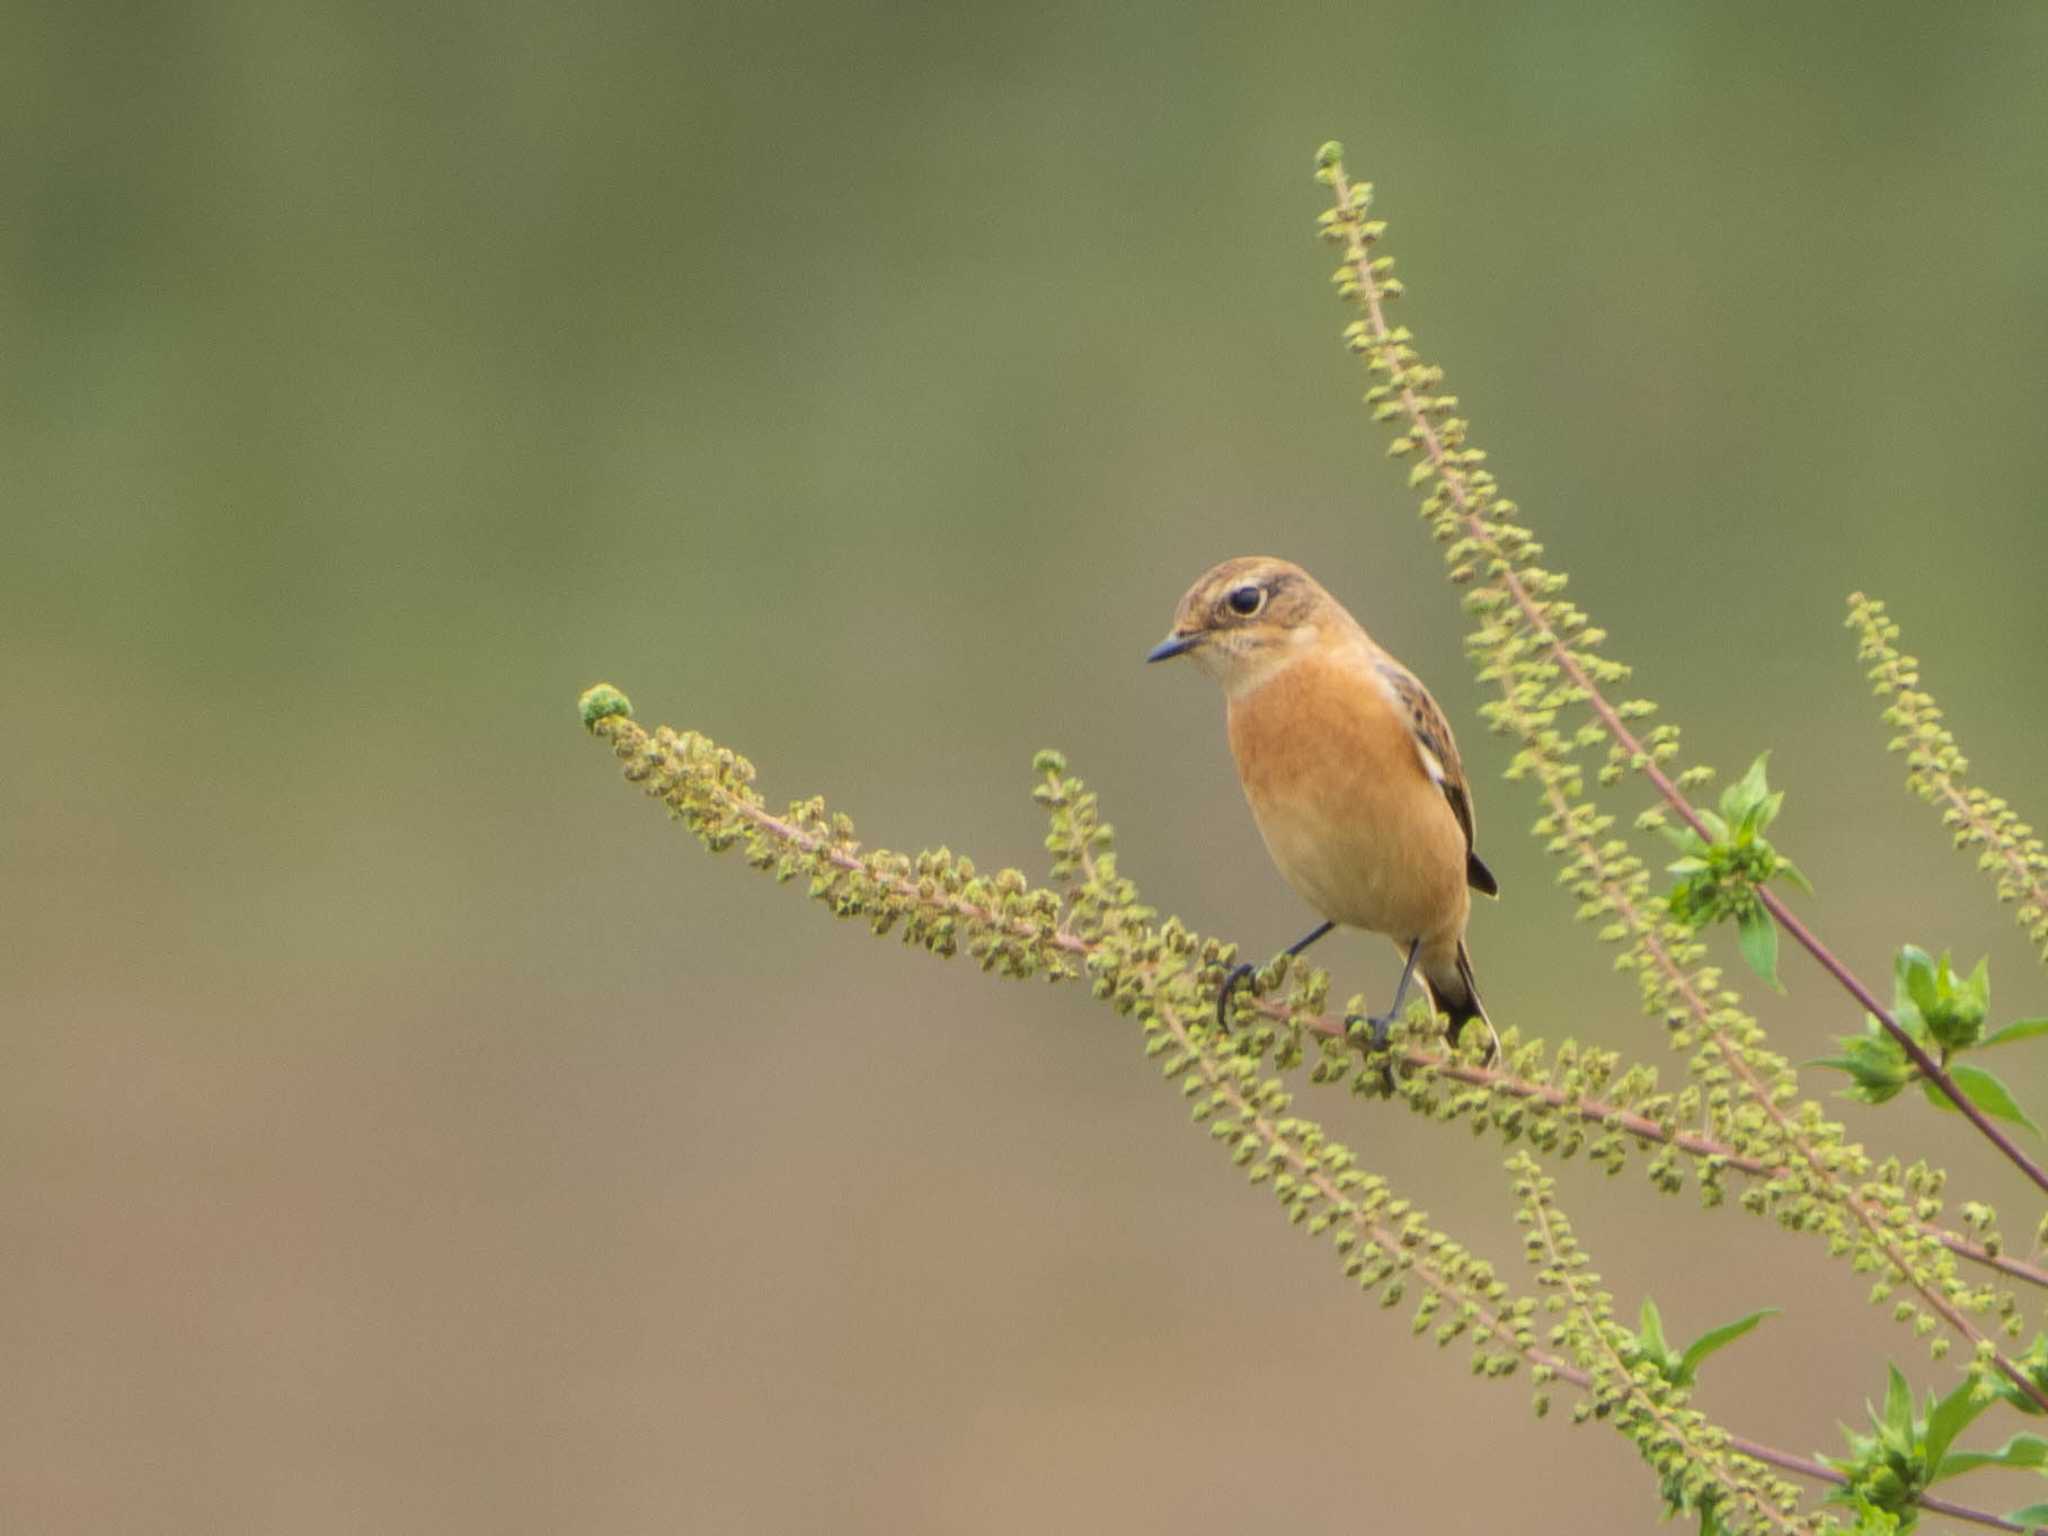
(1449,474)
(1491,1319)
(1679,1427)
(1866,1213)
(1646,1129)
(1532,612)
(1820,1471)
(629,741)
(1928,1066)
(627,738)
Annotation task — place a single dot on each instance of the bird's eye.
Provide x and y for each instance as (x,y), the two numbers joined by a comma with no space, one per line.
(1246,600)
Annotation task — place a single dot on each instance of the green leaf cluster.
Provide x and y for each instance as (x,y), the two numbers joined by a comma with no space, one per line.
(1638,1384)
(1944,1012)
(1909,1450)
(1935,1003)
(1681,1367)
(1718,876)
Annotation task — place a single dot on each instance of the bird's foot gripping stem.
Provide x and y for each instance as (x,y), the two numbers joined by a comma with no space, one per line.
(1239,975)
(1243,972)
(1378,1046)
(1382,1025)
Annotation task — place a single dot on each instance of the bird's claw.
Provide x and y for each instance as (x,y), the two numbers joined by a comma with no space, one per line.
(1239,974)
(1377,1044)
(1382,1025)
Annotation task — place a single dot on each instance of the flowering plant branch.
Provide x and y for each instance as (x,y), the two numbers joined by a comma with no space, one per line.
(1165,977)
(1552,638)
(1739,1123)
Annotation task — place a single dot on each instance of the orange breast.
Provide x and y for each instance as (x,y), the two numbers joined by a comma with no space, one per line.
(1350,816)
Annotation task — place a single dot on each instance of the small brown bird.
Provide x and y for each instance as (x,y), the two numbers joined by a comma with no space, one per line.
(1350,769)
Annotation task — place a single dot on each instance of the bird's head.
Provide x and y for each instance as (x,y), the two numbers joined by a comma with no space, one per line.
(1247,616)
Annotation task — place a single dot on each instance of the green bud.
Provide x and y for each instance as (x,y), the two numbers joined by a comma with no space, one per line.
(601,703)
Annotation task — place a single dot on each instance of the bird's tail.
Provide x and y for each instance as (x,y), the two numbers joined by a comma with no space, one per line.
(1457,997)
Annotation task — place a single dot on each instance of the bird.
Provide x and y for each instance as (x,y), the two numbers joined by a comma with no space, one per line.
(1351,773)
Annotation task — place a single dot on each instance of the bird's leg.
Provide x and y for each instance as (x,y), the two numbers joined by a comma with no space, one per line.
(1242,972)
(1381,1023)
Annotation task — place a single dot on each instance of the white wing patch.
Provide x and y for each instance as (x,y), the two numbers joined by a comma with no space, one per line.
(1396,685)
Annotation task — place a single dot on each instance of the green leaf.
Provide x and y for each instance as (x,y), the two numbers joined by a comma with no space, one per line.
(1876,1061)
(1947,1419)
(2025,1029)
(1897,1423)
(1759,939)
(1914,974)
(1872,1093)
(1907,1013)
(1976,989)
(1872,1521)
(2033,1514)
(1955,1017)
(1991,1096)
(1746,792)
(1877,1046)
(1651,1335)
(1716,1339)
(1986,1092)
(2033,1365)
(1767,810)
(1956,1027)
(2019,1451)
(1788,870)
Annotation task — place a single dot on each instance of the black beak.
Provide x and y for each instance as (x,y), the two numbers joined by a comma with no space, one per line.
(1172,646)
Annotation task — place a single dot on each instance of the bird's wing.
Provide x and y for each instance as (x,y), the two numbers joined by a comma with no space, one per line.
(1439,753)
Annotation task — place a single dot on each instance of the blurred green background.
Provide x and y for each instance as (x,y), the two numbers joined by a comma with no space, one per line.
(403,1129)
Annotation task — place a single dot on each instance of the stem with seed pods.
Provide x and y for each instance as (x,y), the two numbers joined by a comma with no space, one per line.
(646,754)
(709,789)
(1644,1128)
(1371,289)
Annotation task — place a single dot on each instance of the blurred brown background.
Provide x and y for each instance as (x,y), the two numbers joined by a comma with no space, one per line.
(403,1129)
